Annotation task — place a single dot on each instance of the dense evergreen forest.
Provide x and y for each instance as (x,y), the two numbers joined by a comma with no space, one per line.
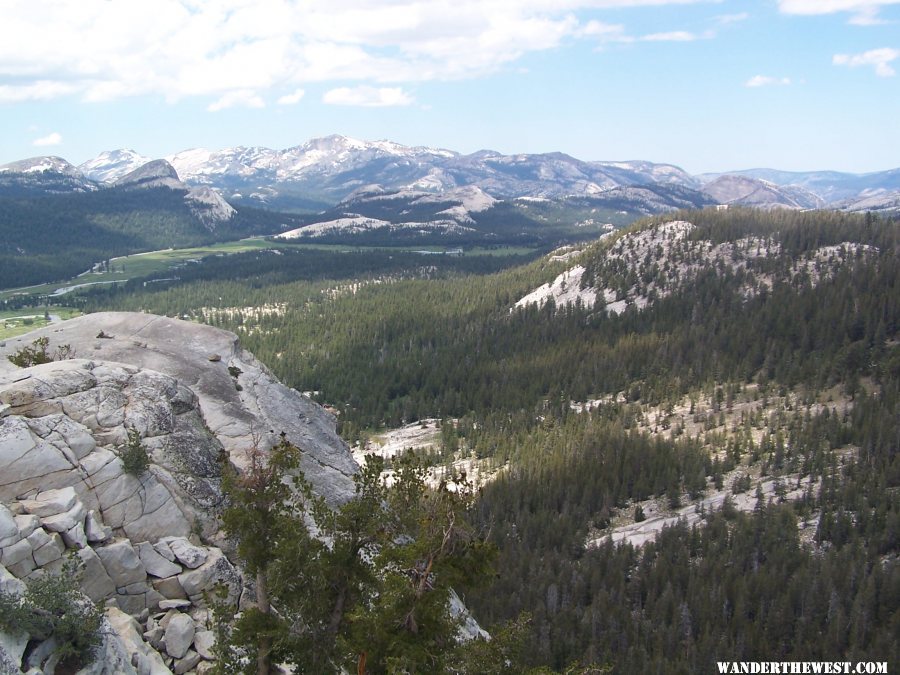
(807,303)
(50,237)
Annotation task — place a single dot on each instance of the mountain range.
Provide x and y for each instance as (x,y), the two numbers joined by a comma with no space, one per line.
(322,172)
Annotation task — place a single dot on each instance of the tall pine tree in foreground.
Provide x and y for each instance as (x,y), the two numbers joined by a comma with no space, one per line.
(371,592)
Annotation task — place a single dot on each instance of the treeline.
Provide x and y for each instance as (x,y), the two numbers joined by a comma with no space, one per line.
(284,265)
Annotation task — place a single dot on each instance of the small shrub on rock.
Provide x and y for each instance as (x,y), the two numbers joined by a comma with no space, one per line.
(54,607)
(133,454)
(37,354)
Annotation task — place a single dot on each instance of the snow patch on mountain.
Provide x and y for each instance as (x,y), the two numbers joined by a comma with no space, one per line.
(320,156)
(109,166)
(192,163)
(42,164)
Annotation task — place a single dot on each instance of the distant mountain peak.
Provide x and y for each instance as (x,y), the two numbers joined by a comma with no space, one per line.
(42,164)
(46,174)
(748,191)
(156,173)
(321,172)
(110,165)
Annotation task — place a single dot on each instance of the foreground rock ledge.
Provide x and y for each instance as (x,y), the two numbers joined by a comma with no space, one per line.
(262,409)
(145,541)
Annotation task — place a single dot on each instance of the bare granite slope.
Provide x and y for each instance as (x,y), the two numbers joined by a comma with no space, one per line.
(241,402)
(147,542)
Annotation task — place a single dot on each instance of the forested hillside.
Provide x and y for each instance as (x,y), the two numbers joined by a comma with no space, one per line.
(50,237)
(750,355)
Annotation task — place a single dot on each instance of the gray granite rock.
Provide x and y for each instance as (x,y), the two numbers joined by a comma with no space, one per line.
(9,529)
(187,554)
(163,549)
(62,425)
(27,524)
(38,538)
(53,549)
(180,350)
(26,461)
(169,588)
(62,522)
(112,657)
(187,663)
(179,635)
(12,648)
(148,661)
(15,553)
(122,563)
(9,583)
(95,582)
(216,570)
(95,530)
(204,643)
(75,537)
(51,502)
(26,566)
(154,563)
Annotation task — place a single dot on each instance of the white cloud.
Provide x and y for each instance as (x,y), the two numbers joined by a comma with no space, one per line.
(671,36)
(605,32)
(879,58)
(370,97)
(765,81)
(105,50)
(600,29)
(48,140)
(42,90)
(291,99)
(867,17)
(243,98)
(865,11)
(726,19)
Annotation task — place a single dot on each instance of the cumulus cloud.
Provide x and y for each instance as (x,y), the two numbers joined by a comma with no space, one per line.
(369,97)
(765,81)
(880,59)
(865,12)
(291,99)
(109,49)
(48,140)
(243,98)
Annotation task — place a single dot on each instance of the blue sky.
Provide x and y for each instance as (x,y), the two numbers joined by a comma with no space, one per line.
(707,85)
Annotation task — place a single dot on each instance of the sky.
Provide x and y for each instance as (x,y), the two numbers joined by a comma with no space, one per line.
(704,84)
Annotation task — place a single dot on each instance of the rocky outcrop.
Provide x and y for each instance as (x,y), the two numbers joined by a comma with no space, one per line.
(239,401)
(146,542)
(59,433)
(155,173)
